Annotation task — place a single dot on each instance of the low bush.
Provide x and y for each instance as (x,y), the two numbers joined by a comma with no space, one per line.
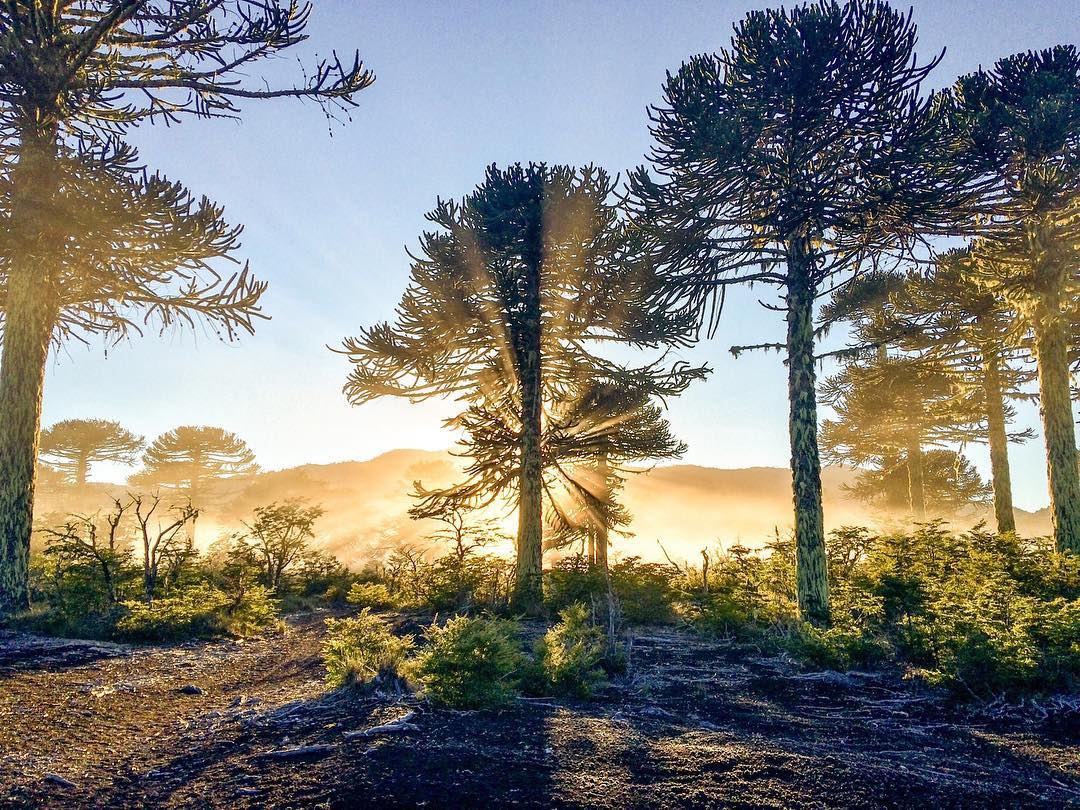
(571,655)
(373,595)
(362,650)
(197,612)
(470,663)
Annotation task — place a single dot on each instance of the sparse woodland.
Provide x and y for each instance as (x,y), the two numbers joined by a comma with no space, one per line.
(934,233)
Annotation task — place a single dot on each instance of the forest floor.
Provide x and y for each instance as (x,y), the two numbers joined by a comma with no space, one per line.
(695,724)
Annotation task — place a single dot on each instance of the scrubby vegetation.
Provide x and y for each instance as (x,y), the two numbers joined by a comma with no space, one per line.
(362,649)
(470,663)
(981,614)
(134,574)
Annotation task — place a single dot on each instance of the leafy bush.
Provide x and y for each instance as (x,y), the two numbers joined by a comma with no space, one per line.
(192,613)
(839,648)
(249,612)
(646,592)
(571,581)
(448,583)
(362,649)
(470,663)
(571,654)
(372,595)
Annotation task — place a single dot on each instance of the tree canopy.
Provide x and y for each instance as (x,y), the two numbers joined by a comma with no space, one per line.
(71,446)
(188,458)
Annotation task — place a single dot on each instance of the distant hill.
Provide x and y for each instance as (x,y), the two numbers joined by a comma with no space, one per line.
(684,507)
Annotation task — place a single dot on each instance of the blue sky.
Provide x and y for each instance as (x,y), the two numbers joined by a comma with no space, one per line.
(328,212)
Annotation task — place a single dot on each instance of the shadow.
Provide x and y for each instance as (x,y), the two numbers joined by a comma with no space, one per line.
(28,653)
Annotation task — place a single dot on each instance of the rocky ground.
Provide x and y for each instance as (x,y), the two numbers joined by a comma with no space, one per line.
(250,724)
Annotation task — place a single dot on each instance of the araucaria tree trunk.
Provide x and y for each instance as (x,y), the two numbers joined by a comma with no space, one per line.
(998,441)
(811,578)
(529,587)
(916,484)
(1051,351)
(598,535)
(32,310)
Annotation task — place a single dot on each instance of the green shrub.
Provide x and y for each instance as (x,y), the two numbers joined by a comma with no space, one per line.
(470,663)
(250,612)
(363,649)
(646,592)
(196,612)
(372,595)
(839,648)
(571,654)
(573,580)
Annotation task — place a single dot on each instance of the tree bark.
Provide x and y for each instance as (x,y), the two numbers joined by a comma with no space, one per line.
(82,468)
(32,311)
(998,441)
(811,577)
(1051,351)
(600,534)
(916,483)
(529,586)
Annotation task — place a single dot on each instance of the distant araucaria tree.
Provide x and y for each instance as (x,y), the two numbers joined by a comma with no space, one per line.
(90,243)
(189,458)
(72,445)
(509,298)
(791,158)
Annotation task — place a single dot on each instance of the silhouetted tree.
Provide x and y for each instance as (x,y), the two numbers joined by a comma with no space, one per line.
(507,298)
(950,482)
(189,458)
(461,531)
(72,445)
(591,439)
(89,242)
(947,318)
(279,537)
(159,531)
(1020,123)
(896,407)
(965,326)
(790,159)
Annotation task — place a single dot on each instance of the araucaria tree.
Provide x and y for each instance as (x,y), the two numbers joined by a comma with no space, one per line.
(72,445)
(790,159)
(507,300)
(953,317)
(896,407)
(89,243)
(1020,123)
(189,458)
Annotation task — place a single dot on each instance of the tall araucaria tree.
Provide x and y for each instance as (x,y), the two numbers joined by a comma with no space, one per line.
(593,430)
(72,445)
(189,459)
(75,75)
(896,407)
(790,159)
(945,318)
(959,321)
(1019,122)
(510,296)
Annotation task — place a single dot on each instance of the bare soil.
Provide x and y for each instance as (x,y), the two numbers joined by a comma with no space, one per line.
(695,724)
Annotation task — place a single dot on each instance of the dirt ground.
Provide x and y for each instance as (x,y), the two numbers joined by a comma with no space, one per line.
(695,724)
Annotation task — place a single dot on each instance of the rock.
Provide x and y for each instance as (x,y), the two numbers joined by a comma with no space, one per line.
(59,781)
(300,752)
(190,689)
(655,711)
